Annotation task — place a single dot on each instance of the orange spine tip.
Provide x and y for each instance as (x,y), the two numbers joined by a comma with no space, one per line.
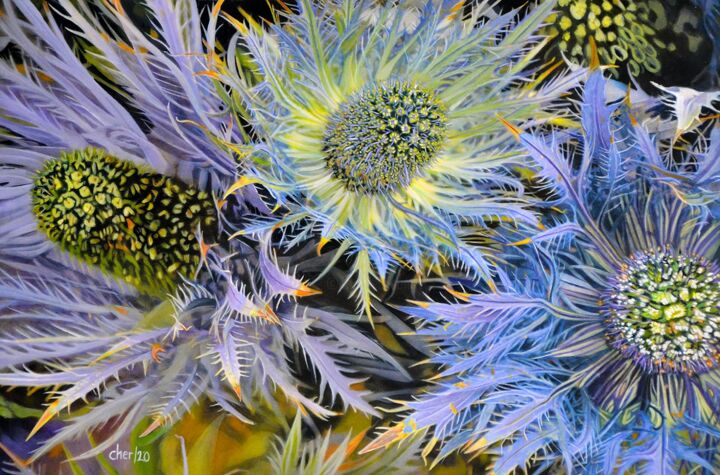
(208,73)
(44,419)
(237,390)
(155,351)
(240,183)
(521,242)
(594,57)
(420,303)
(152,427)
(513,130)
(306,291)
(15,459)
(120,310)
(321,244)
(269,314)
(216,9)
(464,296)
(388,437)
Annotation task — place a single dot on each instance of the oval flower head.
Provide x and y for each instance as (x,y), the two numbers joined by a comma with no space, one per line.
(641,37)
(603,355)
(116,282)
(385,137)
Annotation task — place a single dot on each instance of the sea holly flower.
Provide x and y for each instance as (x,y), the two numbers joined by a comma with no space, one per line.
(602,353)
(118,285)
(384,136)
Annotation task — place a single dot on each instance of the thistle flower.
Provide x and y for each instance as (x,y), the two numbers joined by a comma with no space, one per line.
(117,285)
(602,355)
(384,137)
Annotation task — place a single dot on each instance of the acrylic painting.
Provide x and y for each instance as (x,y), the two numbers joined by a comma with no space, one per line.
(359,237)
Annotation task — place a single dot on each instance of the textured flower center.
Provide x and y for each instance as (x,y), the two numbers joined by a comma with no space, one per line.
(381,138)
(663,310)
(133,223)
(622,31)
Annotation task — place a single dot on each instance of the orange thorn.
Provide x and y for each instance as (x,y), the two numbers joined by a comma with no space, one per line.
(216,9)
(155,350)
(151,428)
(15,459)
(419,303)
(237,390)
(119,7)
(388,437)
(205,248)
(521,242)
(268,314)
(120,310)
(513,130)
(321,244)
(208,73)
(306,291)
(44,419)
(465,297)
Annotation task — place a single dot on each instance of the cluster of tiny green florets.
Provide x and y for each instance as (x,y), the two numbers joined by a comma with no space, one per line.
(664,310)
(622,31)
(380,139)
(130,222)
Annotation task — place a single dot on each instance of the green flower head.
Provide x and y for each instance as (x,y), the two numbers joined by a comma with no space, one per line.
(128,221)
(623,31)
(380,139)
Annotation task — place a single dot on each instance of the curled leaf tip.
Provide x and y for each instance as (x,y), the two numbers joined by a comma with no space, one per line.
(321,244)
(240,183)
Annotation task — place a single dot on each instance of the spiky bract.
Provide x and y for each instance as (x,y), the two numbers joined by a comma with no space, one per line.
(599,354)
(133,223)
(338,155)
(225,332)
